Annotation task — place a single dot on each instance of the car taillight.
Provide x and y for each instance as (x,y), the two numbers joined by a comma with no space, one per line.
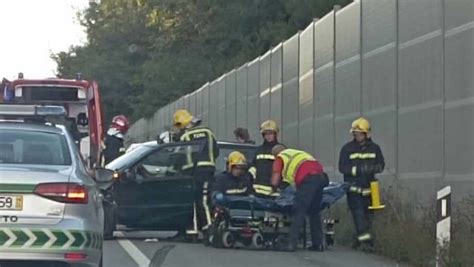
(63,192)
(75,256)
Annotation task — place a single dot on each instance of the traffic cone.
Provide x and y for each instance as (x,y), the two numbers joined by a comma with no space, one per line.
(375,194)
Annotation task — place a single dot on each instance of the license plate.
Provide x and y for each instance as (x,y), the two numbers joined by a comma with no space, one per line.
(11,202)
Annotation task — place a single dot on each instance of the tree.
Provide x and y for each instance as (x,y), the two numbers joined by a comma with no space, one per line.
(147,53)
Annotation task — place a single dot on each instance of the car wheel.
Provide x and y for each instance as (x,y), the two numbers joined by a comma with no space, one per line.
(109,222)
(258,241)
(228,239)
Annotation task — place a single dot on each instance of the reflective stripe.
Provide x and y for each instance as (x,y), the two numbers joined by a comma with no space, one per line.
(265,156)
(206,207)
(366,192)
(195,226)
(355,189)
(253,172)
(354,171)
(360,190)
(206,163)
(264,190)
(363,156)
(292,159)
(364,237)
(236,191)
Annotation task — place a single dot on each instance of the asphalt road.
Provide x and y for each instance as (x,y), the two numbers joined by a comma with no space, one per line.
(143,249)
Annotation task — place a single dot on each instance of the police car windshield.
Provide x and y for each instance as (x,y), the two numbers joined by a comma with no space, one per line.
(126,159)
(32,147)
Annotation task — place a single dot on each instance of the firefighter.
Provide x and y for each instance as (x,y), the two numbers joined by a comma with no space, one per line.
(113,143)
(236,180)
(201,165)
(299,169)
(359,161)
(261,167)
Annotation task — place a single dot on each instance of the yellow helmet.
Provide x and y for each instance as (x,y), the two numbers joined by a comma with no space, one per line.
(269,125)
(236,159)
(361,125)
(182,118)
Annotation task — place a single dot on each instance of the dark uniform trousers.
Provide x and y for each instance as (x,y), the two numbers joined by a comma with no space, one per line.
(354,158)
(204,182)
(308,202)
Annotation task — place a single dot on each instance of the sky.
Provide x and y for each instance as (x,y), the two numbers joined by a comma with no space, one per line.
(33,29)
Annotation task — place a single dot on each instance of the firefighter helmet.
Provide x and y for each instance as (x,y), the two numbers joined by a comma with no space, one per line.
(236,159)
(361,125)
(269,126)
(182,118)
(121,123)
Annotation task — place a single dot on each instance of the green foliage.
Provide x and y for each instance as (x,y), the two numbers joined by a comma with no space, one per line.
(147,53)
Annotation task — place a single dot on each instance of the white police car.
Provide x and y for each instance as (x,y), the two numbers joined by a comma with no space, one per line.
(50,208)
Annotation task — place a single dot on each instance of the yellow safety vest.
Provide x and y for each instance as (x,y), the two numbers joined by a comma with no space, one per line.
(292,160)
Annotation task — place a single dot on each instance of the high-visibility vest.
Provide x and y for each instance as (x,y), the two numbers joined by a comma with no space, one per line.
(292,160)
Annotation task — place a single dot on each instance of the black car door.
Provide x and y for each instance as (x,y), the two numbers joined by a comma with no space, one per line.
(159,194)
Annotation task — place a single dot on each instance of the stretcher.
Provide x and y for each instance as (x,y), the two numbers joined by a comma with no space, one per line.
(262,223)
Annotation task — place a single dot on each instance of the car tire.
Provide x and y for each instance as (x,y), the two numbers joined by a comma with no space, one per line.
(109,222)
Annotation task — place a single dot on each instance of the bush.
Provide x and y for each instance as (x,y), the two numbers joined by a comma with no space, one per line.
(406,232)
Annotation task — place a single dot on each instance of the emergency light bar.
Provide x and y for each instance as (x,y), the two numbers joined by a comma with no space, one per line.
(31,110)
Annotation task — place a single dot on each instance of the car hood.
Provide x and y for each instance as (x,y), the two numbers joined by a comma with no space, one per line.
(34,174)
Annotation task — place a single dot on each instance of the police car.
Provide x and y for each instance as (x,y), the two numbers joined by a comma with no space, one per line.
(151,191)
(50,208)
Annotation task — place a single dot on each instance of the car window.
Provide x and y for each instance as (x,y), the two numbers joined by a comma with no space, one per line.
(29,147)
(167,161)
(225,150)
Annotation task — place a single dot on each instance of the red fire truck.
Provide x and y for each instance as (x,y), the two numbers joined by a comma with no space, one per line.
(81,99)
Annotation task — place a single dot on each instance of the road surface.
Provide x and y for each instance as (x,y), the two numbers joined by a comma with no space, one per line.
(132,249)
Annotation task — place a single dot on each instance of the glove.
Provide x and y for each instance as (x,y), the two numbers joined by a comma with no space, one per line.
(366,170)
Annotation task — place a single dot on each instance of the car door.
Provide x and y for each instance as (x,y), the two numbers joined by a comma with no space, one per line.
(159,195)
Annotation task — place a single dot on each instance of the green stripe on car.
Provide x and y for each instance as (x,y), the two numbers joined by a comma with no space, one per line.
(21,238)
(54,239)
(17,188)
(41,238)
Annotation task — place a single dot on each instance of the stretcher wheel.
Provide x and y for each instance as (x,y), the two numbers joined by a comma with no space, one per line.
(228,239)
(257,241)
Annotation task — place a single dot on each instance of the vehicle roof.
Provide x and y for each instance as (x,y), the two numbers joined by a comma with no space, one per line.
(154,143)
(236,144)
(46,82)
(32,127)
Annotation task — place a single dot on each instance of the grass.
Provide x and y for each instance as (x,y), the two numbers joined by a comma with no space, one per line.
(406,232)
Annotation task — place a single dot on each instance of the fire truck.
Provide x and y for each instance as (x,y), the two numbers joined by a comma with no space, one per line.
(79,97)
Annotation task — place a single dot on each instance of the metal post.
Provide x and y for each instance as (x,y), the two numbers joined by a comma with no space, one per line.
(443,225)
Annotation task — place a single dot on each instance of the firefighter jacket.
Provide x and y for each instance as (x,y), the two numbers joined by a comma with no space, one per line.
(206,158)
(113,146)
(360,162)
(228,184)
(261,169)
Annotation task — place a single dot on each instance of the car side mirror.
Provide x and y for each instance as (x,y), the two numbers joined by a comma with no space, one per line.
(104,175)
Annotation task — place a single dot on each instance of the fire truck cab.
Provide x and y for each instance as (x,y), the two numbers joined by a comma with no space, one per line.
(80,98)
